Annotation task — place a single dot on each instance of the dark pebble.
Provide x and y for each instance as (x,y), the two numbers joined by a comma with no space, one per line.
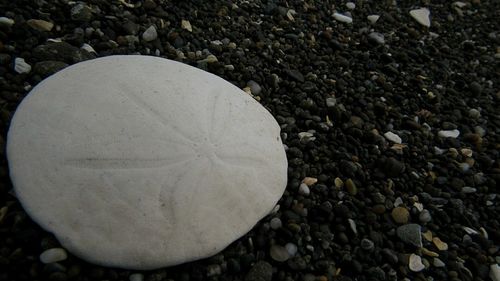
(260,271)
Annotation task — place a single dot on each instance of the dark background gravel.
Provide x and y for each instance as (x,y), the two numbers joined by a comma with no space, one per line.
(339,82)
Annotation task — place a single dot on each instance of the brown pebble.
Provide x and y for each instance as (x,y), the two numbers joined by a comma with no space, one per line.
(400,215)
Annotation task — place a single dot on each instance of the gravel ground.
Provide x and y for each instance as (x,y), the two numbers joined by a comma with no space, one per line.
(391,128)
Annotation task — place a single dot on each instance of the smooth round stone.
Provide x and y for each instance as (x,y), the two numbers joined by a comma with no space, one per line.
(275,223)
(400,215)
(53,255)
(279,253)
(141,162)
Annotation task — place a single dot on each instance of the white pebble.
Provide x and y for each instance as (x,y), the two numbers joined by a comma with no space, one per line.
(350,5)
(459,4)
(331,102)
(291,249)
(449,133)
(415,264)
(275,223)
(377,37)
(373,18)
(88,48)
(421,16)
(6,21)
(304,189)
(495,272)
(468,189)
(53,255)
(352,224)
(398,202)
(342,18)
(438,151)
(150,34)
(392,137)
(470,231)
(20,66)
(306,136)
(136,277)
(185,24)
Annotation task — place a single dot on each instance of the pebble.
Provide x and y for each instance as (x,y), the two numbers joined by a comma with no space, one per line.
(449,133)
(351,187)
(255,88)
(81,12)
(410,234)
(352,225)
(291,249)
(474,113)
(279,253)
(392,137)
(6,21)
(260,271)
(150,34)
(350,5)
(53,255)
(393,167)
(467,152)
(377,37)
(342,18)
(88,48)
(21,66)
(480,131)
(136,277)
(339,183)
(40,25)
(398,201)
(421,16)
(185,24)
(415,263)
(495,272)
(304,189)
(442,246)
(476,88)
(331,102)
(425,216)
(309,181)
(438,263)
(400,215)
(468,189)
(470,231)
(373,18)
(213,270)
(367,244)
(306,136)
(275,223)
(429,252)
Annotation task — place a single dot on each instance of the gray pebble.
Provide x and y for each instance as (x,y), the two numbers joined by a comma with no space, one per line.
(425,216)
(136,277)
(376,37)
(367,244)
(255,88)
(279,253)
(275,223)
(150,34)
(410,234)
(53,255)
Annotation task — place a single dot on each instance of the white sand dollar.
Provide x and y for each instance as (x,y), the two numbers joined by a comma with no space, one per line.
(140,162)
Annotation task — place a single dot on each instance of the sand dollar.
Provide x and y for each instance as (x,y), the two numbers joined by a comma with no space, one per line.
(141,162)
